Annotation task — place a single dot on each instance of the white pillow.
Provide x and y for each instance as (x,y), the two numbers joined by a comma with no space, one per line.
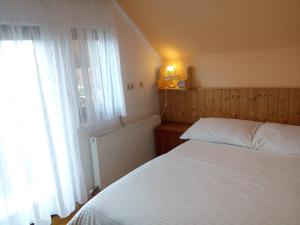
(277,137)
(220,130)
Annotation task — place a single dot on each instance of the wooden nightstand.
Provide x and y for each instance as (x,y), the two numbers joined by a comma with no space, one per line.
(167,136)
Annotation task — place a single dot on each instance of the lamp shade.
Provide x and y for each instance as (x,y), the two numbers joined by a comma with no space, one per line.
(170,72)
(172,76)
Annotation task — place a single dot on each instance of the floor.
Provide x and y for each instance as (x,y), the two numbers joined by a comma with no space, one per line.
(56,220)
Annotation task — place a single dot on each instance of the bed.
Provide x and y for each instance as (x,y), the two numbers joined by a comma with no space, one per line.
(203,183)
(246,178)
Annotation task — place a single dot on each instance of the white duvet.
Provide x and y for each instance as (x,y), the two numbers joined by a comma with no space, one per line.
(205,184)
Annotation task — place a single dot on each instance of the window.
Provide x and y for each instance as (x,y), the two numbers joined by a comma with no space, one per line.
(24,134)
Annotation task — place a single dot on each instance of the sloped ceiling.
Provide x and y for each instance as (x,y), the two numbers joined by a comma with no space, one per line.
(185,28)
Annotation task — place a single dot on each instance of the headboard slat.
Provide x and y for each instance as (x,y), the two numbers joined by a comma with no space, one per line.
(280,105)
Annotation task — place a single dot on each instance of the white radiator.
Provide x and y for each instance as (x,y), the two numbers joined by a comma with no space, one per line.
(117,153)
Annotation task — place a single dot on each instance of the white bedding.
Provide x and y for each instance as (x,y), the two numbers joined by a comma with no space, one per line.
(205,184)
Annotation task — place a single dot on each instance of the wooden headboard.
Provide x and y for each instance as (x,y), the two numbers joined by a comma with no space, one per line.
(280,105)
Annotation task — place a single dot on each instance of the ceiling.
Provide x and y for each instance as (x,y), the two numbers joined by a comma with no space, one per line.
(185,28)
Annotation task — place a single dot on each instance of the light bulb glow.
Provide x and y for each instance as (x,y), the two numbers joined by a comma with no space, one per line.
(170,72)
(170,68)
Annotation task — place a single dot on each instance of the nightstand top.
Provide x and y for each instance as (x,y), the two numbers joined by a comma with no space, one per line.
(174,127)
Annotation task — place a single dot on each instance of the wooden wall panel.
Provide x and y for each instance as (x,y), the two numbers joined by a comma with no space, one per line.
(195,107)
(260,104)
(225,103)
(234,103)
(243,104)
(294,106)
(272,105)
(190,112)
(252,104)
(209,100)
(283,105)
(181,110)
(202,103)
(172,105)
(161,97)
(217,102)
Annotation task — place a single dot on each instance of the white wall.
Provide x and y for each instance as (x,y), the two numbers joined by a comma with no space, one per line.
(138,64)
(257,68)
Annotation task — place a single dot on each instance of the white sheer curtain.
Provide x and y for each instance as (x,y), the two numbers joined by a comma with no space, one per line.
(59,70)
